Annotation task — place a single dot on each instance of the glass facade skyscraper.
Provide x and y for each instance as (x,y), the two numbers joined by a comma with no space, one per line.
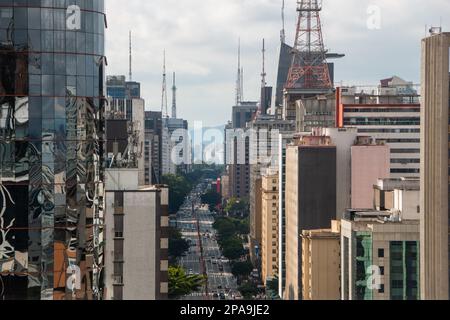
(51,148)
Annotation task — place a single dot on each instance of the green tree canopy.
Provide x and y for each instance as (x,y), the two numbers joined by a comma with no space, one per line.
(242,269)
(181,284)
(248,290)
(177,245)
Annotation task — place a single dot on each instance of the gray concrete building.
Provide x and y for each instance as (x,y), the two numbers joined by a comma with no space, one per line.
(136,236)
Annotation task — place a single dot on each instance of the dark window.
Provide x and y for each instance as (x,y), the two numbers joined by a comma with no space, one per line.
(380,253)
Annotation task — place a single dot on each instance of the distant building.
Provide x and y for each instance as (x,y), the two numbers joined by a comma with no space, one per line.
(370,162)
(225,190)
(153,147)
(136,238)
(265,151)
(240,170)
(175,132)
(270,225)
(310,200)
(389,113)
(119,88)
(321,261)
(435,158)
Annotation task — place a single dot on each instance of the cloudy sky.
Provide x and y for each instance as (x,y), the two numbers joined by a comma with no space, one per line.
(201,37)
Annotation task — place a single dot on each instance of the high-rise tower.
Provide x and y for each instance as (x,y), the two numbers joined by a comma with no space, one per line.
(51,150)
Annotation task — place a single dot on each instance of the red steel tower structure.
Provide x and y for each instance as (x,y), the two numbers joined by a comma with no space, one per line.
(309,68)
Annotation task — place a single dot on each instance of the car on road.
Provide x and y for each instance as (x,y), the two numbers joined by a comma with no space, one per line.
(222,296)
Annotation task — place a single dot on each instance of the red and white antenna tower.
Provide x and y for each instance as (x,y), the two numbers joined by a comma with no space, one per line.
(309,68)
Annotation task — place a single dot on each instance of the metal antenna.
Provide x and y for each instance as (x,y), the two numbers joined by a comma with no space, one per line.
(239,77)
(164,89)
(174,98)
(263,74)
(283,31)
(309,68)
(130,74)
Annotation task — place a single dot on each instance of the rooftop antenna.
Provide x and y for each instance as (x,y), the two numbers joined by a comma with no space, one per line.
(263,74)
(130,75)
(174,98)
(164,90)
(283,31)
(239,77)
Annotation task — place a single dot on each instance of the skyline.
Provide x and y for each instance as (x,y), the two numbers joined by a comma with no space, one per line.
(208,88)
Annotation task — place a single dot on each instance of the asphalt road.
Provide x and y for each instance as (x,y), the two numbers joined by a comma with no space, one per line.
(221,282)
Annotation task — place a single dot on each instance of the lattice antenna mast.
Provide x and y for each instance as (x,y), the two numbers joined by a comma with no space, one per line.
(283,30)
(239,77)
(263,74)
(309,68)
(174,98)
(164,90)
(130,74)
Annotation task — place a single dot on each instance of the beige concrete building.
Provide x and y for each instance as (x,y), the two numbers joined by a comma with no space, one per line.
(370,162)
(435,180)
(256,221)
(225,189)
(270,225)
(321,261)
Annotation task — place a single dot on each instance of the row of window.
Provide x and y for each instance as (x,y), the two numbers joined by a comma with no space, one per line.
(91,5)
(35,41)
(49,19)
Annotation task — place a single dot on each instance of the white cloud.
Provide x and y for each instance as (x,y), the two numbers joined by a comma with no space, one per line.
(200,37)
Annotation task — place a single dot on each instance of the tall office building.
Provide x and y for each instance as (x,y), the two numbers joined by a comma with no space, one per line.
(137,218)
(51,149)
(269,225)
(175,134)
(310,200)
(240,170)
(265,153)
(435,168)
(389,113)
(153,147)
(284,141)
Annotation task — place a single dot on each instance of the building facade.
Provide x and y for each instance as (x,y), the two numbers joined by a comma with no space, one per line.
(377,244)
(51,149)
(321,263)
(435,168)
(153,147)
(310,200)
(136,234)
(370,162)
(270,225)
(389,113)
